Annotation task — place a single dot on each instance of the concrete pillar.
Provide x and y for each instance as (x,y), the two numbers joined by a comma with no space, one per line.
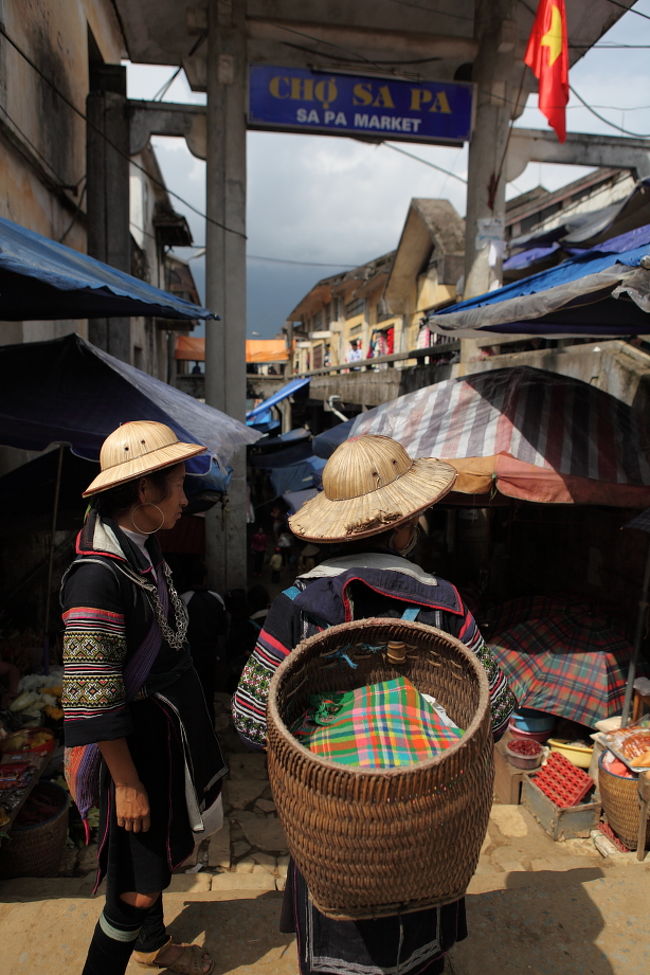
(288,331)
(225,358)
(486,178)
(107,192)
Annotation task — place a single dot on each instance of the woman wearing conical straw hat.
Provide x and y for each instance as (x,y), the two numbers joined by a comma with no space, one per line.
(139,737)
(367,515)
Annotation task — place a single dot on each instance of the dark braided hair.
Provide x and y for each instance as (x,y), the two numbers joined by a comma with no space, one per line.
(112,502)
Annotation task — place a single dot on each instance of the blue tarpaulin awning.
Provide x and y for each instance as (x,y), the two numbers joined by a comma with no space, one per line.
(257,414)
(67,284)
(295,499)
(297,477)
(604,291)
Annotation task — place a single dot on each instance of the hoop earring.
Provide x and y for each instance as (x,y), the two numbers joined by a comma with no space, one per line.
(141,531)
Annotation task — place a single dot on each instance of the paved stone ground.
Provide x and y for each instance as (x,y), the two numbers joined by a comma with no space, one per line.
(535,905)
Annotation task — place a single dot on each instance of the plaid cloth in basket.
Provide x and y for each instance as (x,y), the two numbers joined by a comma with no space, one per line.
(379,726)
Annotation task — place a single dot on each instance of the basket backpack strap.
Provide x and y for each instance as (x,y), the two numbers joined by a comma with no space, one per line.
(411,613)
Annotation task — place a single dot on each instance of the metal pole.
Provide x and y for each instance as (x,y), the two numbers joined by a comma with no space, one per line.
(50,567)
(638,636)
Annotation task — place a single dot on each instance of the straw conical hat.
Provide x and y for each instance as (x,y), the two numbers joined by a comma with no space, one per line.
(137,448)
(370,484)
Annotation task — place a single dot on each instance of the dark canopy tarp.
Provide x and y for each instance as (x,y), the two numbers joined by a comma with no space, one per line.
(578,231)
(35,483)
(326,442)
(41,279)
(69,391)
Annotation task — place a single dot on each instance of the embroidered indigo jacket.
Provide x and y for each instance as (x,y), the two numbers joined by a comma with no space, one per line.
(354,587)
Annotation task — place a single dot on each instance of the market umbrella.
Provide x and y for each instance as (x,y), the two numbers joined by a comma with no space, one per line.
(571,663)
(526,433)
(69,391)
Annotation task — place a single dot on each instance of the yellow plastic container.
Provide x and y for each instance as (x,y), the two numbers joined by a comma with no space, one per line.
(580,755)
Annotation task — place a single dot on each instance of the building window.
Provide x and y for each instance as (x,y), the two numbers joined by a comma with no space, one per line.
(354,307)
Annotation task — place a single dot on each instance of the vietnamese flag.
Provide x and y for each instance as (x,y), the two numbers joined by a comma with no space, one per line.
(547,55)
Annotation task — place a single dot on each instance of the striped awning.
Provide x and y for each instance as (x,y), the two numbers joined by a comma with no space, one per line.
(527,433)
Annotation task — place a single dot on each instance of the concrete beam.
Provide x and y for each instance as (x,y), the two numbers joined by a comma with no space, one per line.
(366,39)
(580,149)
(168,118)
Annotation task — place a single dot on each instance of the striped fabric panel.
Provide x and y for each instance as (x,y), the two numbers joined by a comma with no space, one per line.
(384,725)
(94,650)
(81,617)
(564,425)
(250,698)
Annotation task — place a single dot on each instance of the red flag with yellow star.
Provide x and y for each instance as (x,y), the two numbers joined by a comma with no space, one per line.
(547,55)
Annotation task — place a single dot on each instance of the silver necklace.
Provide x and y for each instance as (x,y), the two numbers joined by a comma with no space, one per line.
(174,637)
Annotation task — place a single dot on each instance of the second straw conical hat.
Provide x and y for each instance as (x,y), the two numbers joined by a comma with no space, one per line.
(370,484)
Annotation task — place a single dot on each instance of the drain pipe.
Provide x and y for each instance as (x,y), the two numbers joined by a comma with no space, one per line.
(330,403)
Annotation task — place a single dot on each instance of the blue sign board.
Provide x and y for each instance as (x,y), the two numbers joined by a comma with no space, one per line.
(299,100)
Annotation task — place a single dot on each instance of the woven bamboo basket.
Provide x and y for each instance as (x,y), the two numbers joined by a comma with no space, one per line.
(35,849)
(377,842)
(620,799)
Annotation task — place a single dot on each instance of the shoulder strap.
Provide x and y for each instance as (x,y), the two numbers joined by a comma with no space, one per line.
(410,613)
(291,592)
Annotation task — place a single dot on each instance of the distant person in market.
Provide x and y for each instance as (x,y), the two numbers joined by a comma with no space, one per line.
(207,630)
(139,737)
(367,517)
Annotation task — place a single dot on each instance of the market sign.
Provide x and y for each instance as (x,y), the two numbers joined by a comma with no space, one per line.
(299,100)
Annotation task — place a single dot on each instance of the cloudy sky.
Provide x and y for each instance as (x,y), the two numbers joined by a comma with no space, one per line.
(318,204)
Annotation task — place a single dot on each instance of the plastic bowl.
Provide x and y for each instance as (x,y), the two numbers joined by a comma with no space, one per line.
(526,719)
(515,732)
(530,755)
(579,755)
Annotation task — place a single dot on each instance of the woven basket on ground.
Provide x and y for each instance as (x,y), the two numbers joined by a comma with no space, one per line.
(620,799)
(35,849)
(376,842)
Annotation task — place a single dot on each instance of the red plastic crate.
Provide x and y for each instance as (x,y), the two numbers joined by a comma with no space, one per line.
(562,782)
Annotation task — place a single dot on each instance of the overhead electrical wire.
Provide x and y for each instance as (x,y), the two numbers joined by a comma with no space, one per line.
(103,135)
(162,91)
(276,260)
(363,60)
(613,125)
(282,260)
(431,10)
(629,10)
(425,162)
(59,181)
